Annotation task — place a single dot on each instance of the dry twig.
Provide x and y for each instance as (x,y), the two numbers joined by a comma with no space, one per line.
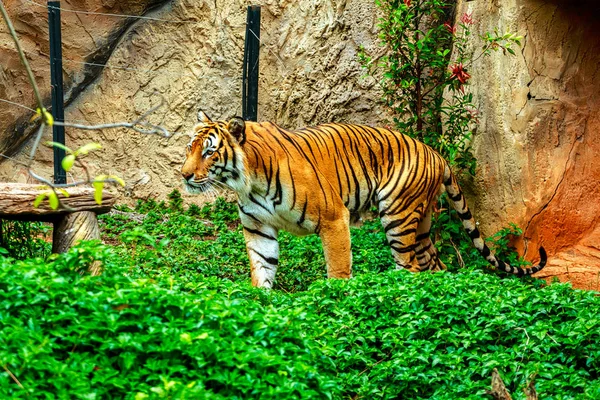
(498,391)
(14,378)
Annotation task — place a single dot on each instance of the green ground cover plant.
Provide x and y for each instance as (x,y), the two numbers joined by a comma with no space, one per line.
(22,239)
(174,316)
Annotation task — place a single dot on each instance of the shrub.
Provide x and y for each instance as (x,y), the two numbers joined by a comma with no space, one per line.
(21,239)
(122,335)
(388,335)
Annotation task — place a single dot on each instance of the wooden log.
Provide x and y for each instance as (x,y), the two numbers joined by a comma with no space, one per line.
(72,228)
(16,202)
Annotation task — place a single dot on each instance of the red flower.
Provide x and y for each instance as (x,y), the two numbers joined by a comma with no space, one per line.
(450,28)
(459,73)
(467,19)
(473,113)
(407,3)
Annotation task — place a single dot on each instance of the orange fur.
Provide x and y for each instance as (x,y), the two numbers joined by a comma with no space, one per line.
(318,180)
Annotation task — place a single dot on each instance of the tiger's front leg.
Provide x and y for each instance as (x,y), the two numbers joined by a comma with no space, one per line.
(263,252)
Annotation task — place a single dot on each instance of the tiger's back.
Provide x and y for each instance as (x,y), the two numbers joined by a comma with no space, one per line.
(319,179)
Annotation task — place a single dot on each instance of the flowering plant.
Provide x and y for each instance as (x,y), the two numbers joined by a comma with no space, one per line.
(425,71)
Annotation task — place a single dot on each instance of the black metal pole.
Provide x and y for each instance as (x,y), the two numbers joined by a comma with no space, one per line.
(56,80)
(250,68)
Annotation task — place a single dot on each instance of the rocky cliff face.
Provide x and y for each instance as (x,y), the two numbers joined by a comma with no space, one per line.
(190,53)
(86,38)
(539,110)
(540,131)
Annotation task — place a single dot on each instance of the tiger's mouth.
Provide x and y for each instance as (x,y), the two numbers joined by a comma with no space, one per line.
(197,186)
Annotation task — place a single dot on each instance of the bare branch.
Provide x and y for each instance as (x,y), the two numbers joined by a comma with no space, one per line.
(36,143)
(13,377)
(135,125)
(140,125)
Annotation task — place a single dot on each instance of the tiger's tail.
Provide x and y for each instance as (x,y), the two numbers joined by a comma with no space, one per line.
(460,205)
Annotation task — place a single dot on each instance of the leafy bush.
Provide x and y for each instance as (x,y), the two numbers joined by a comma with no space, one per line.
(424,73)
(208,240)
(387,335)
(420,336)
(123,335)
(21,239)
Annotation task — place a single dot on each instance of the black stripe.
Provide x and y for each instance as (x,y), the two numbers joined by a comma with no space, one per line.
(424,249)
(255,201)
(455,198)
(406,249)
(259,233)
(486,251)
(422,236)
(270,260)
(241,208)
(303,215)
(474,234)
(465,216)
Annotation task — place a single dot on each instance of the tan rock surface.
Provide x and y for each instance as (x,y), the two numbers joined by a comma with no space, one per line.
(309,74)
(85,38)
(538,142)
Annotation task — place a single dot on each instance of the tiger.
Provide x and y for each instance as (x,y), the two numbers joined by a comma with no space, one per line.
(319,180)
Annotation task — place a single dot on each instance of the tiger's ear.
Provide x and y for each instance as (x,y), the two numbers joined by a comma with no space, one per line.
(237,128)
(202,117)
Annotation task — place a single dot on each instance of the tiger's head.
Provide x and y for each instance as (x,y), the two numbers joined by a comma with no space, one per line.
(214,157)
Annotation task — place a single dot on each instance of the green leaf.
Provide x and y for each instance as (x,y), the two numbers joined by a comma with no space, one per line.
(53,200)
(39,198)
(67,162)
(117,179)
(98,186)
(86,148)
(60,146)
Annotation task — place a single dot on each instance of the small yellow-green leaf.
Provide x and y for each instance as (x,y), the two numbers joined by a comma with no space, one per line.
(117,179)
(63,192)
(60,146)
(141,396)
(98,185)
(86,148)
(38,200)
(53,200)
(186,338)
(67,162)
(48,118)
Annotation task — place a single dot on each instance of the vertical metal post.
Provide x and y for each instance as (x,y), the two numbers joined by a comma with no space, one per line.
(56,80)
(250,68)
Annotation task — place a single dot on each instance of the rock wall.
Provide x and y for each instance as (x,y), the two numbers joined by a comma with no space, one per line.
(539,131)
(309,74)
(86,37)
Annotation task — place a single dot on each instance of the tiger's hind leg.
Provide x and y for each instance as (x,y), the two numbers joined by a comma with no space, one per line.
(401,232)
(335,237)
(426,253)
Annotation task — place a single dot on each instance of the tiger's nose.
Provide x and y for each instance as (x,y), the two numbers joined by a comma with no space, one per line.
(187,176)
